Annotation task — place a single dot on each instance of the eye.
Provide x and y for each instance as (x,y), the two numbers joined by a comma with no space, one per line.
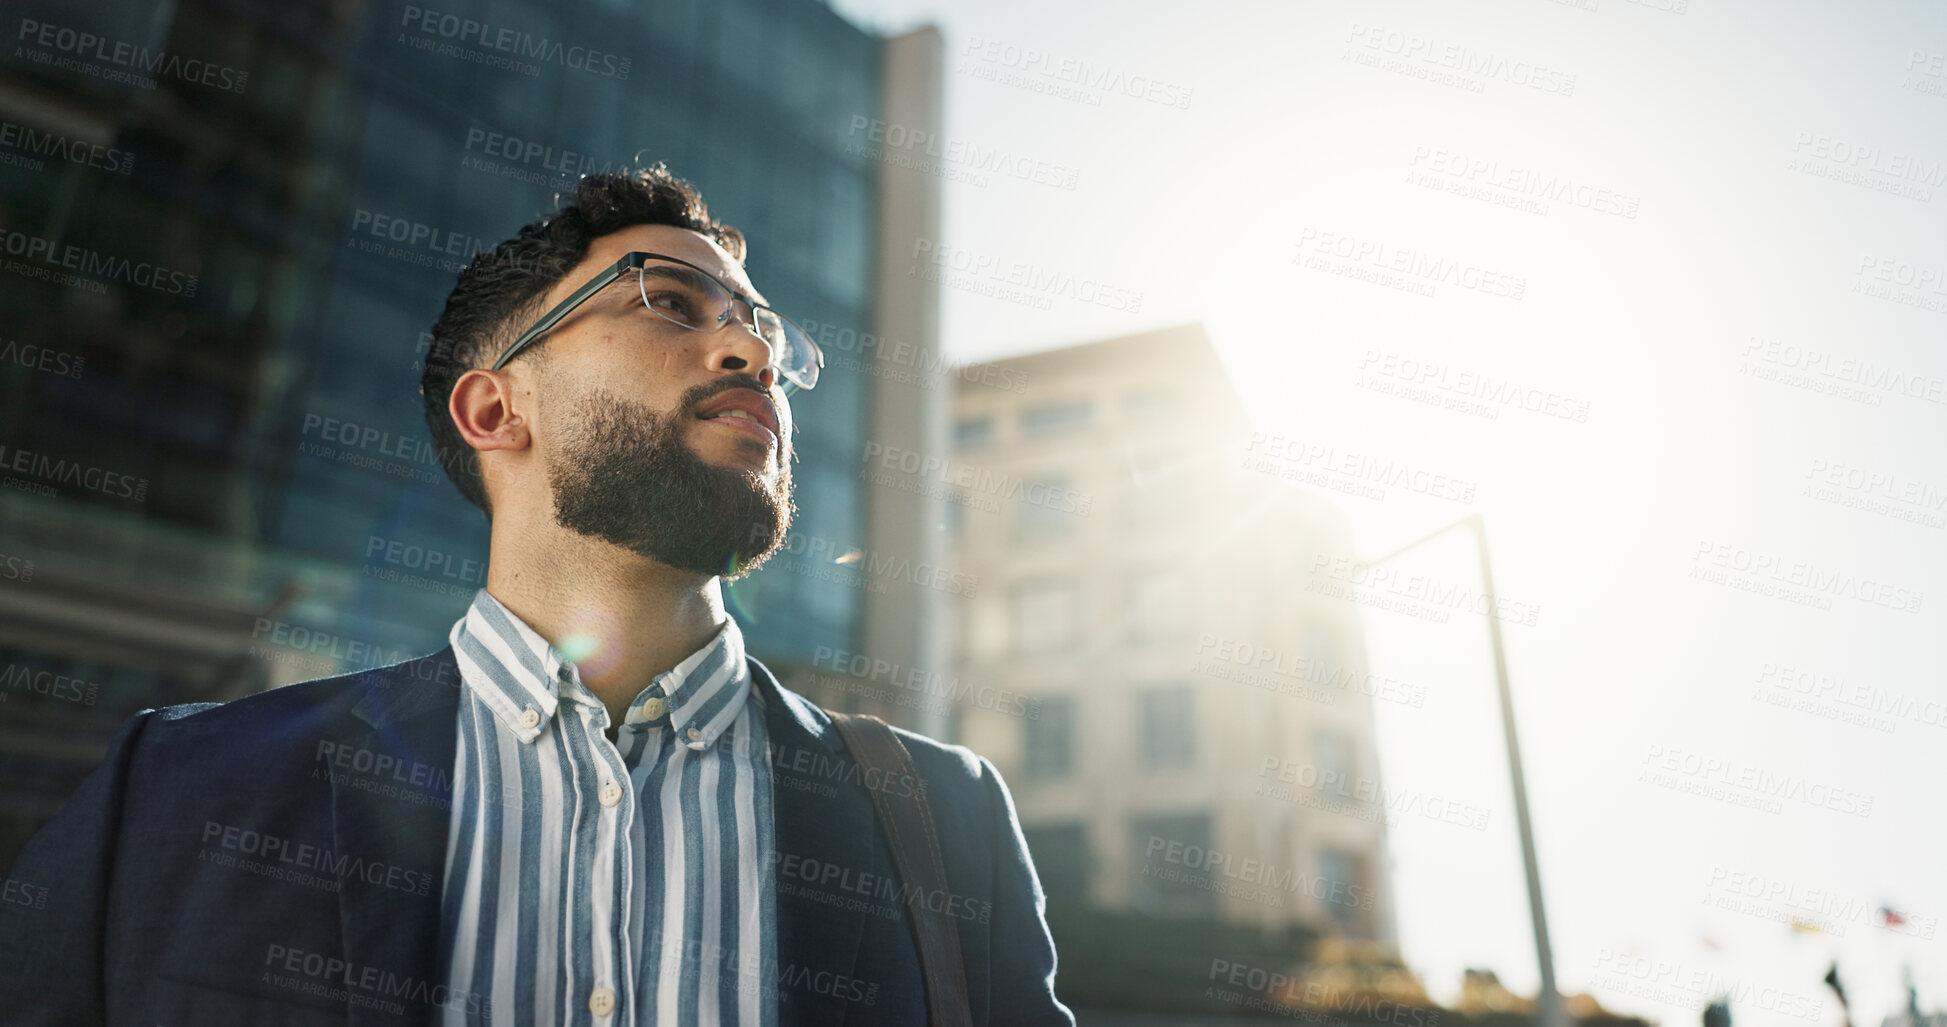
(671,302)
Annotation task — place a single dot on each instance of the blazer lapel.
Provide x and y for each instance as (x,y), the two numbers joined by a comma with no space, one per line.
(397,825)
(822,820)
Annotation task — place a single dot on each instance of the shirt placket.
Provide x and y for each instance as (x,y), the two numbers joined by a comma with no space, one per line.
(611,869)
(644,730)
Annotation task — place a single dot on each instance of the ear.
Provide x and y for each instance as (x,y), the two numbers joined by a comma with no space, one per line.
(482,406)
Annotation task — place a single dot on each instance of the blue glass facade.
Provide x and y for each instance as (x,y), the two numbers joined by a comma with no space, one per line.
(269,201)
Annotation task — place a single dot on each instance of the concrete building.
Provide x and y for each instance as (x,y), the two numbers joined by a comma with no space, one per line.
(1186,730)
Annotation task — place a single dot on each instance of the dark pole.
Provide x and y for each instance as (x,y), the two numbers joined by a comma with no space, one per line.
(1548,1004)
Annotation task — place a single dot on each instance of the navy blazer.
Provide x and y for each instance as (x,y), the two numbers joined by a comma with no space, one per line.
(277,860)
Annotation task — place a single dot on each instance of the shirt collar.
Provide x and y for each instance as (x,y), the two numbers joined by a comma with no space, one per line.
(701,695)
(513,670)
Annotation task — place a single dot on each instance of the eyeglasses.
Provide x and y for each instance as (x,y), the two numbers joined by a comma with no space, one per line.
(689,297)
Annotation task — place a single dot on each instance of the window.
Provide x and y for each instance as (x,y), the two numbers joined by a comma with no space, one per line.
(973,431)
(1049,752)
(1170,852)
(1042,615)
(1061,861)
(1342,891)
(1055,418)
(1167,720)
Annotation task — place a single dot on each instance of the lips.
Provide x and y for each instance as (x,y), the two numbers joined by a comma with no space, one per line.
(741,406)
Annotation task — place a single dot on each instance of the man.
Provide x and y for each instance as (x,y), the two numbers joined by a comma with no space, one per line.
(591,807)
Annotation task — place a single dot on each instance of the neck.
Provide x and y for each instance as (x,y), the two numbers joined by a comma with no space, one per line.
(622,618)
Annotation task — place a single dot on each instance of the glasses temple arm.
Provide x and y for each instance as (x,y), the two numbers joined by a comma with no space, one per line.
(561,310)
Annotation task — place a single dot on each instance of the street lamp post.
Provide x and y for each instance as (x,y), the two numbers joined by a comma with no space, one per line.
(1548,1005)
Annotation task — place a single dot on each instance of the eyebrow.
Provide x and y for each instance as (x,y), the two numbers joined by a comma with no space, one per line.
(697,280)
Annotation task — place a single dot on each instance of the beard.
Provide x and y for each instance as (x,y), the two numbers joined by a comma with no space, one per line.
(623,474)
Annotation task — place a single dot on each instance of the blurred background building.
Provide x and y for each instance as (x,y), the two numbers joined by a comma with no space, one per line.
(228,227)
(1135,586)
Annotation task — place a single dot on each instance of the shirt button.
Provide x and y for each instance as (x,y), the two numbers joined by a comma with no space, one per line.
(530,718)
(602,1002)
(695,735)
(652,708)
(611,794)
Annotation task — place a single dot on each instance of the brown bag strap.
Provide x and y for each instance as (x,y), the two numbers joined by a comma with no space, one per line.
(907,821)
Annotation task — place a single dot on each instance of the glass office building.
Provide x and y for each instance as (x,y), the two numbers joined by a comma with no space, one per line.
(228,227)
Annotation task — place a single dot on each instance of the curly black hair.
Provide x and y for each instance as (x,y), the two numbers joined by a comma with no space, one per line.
(501,290)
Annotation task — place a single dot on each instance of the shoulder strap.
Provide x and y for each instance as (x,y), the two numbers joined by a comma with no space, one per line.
(907,821)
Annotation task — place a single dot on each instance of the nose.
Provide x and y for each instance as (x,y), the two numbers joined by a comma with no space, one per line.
(738,347)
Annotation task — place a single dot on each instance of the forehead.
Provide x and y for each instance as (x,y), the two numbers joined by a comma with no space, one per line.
(693,247)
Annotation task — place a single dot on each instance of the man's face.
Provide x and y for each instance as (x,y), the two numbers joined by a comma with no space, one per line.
(635,424)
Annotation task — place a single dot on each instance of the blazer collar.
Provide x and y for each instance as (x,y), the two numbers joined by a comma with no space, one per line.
(790,717)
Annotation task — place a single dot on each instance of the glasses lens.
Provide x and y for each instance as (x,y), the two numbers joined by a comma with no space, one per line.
(796,355)
(685,296)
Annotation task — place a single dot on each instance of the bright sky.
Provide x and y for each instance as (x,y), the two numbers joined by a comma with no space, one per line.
(1756,355)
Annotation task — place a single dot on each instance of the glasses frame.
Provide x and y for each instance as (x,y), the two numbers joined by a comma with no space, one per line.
(634,262)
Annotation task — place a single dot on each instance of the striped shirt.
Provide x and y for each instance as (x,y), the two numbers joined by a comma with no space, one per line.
(604,883)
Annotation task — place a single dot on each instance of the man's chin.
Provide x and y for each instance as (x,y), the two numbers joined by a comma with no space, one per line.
(711,500)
